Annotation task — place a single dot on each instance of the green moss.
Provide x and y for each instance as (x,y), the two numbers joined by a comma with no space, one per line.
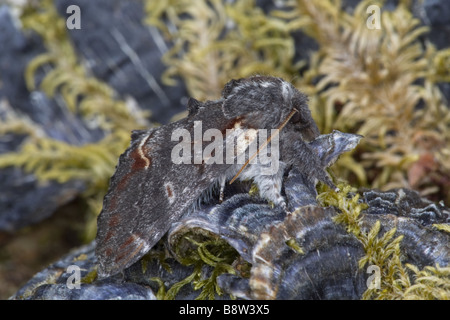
(67,77)
(442,226)
(385,252)
(207,254)
(159,255)
(160,295)
(96,102)
(90,277)
(431,283)
(216,41)
(370,81)
(361,80)
(292,243)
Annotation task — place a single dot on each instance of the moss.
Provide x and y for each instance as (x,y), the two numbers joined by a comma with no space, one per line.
(12,122)
(293,244)
(370,81)
(442,226)
(216,41)
(385,252)
(90,277)
(159,255)
(361,80)
(210,256)
(431,283)
(160,295)
(83,95)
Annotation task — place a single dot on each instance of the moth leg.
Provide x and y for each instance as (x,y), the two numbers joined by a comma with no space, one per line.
(222,182)
(273,193)
(270,187)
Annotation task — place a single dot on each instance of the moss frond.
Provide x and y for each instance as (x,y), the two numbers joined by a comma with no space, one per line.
(173,291)
(384,251)
(96,103)
(67,77)
(350,208)
(90,277)
(162,288)
(371,82)
(442,226)
(13,122)
(51,159)
(203,250)
(431,283)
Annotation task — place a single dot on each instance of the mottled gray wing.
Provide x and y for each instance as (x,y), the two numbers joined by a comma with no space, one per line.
(149,192)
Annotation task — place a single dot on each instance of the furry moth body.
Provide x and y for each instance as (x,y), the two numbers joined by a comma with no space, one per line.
(148,192)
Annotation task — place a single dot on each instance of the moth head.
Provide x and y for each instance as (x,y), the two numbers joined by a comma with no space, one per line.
(302,120)
(193,105)
(265,103)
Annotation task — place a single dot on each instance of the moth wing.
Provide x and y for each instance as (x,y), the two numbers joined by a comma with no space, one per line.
(146,195)
(149,192)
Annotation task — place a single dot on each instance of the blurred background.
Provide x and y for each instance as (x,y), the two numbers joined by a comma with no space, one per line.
(76,76)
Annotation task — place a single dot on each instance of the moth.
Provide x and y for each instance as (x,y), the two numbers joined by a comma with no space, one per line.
(165,171)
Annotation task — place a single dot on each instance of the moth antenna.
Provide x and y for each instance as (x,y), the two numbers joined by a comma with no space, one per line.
(282,125)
